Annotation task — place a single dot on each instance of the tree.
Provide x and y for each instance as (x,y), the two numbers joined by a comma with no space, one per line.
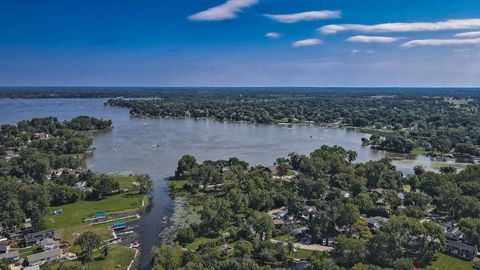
(346,215)
(166,257)
(419,199)
(261,225)
(351,156)
(283,169)
(418,170)
(215,214)
(145,183)
(105,251)
(88,242)
(185,165)
(242,248)
(448,169)
(360,229)
(403,264)
(470,227)
(185,235)
(349,251)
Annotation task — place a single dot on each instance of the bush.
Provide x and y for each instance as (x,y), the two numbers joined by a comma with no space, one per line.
(185,235)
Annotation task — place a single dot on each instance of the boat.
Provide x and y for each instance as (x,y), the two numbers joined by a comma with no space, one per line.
(135,245)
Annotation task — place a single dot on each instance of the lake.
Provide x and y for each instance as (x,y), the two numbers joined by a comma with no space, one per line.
(135,140)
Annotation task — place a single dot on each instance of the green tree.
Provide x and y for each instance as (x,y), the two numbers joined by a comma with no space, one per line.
(185,165)
(403,264)
(283,169)
(105,251)
(242,248)
(470,227)
(349,251)
(167,257)
(88,242)
(185,235)
(145,183)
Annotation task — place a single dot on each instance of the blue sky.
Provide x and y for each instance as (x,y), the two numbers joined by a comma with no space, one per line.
(240,43)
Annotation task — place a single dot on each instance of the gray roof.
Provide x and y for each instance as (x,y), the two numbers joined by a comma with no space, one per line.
(44,255)
(9,255)
(39,235)
(463,246)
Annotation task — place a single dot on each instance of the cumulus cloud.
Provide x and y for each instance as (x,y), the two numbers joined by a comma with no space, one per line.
(372,39)
(468,34)
(225,11)
(273,35)
(463,24)
(441,42)
(307,42)
(305,16)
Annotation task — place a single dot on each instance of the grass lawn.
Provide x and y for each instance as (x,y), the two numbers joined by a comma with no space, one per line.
(199,241)
(71,222)
(407,188)
(119,257)
(284,238)
(418,151)
(445,262)
(302,254)
(177,185)
(125,181)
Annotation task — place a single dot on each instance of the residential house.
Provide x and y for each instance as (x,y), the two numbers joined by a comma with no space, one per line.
(48,244)
(462,250)
(454,234)
(10,256)
(9,154)
(35,238)
(44,257)
(271,169)
(41,136)
(375,223)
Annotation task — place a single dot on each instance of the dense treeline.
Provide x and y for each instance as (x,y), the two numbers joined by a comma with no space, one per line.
(439,122)
(233,199)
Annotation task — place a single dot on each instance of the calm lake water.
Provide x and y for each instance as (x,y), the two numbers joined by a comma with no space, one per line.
(135,140)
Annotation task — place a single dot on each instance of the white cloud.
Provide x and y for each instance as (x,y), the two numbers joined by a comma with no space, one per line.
(468,34)
(307,42)
(305,16)
(441,42)
(464,24)
(355,51)
(273,35)
(225,11)
(372,39)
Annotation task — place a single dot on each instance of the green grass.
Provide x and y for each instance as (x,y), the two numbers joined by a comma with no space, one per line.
(177,185)
(119,257)
(445,262)
(284,238)
(407,188)
(302,254)
(125,181)
(70,223)
(418,151)
(199,241)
